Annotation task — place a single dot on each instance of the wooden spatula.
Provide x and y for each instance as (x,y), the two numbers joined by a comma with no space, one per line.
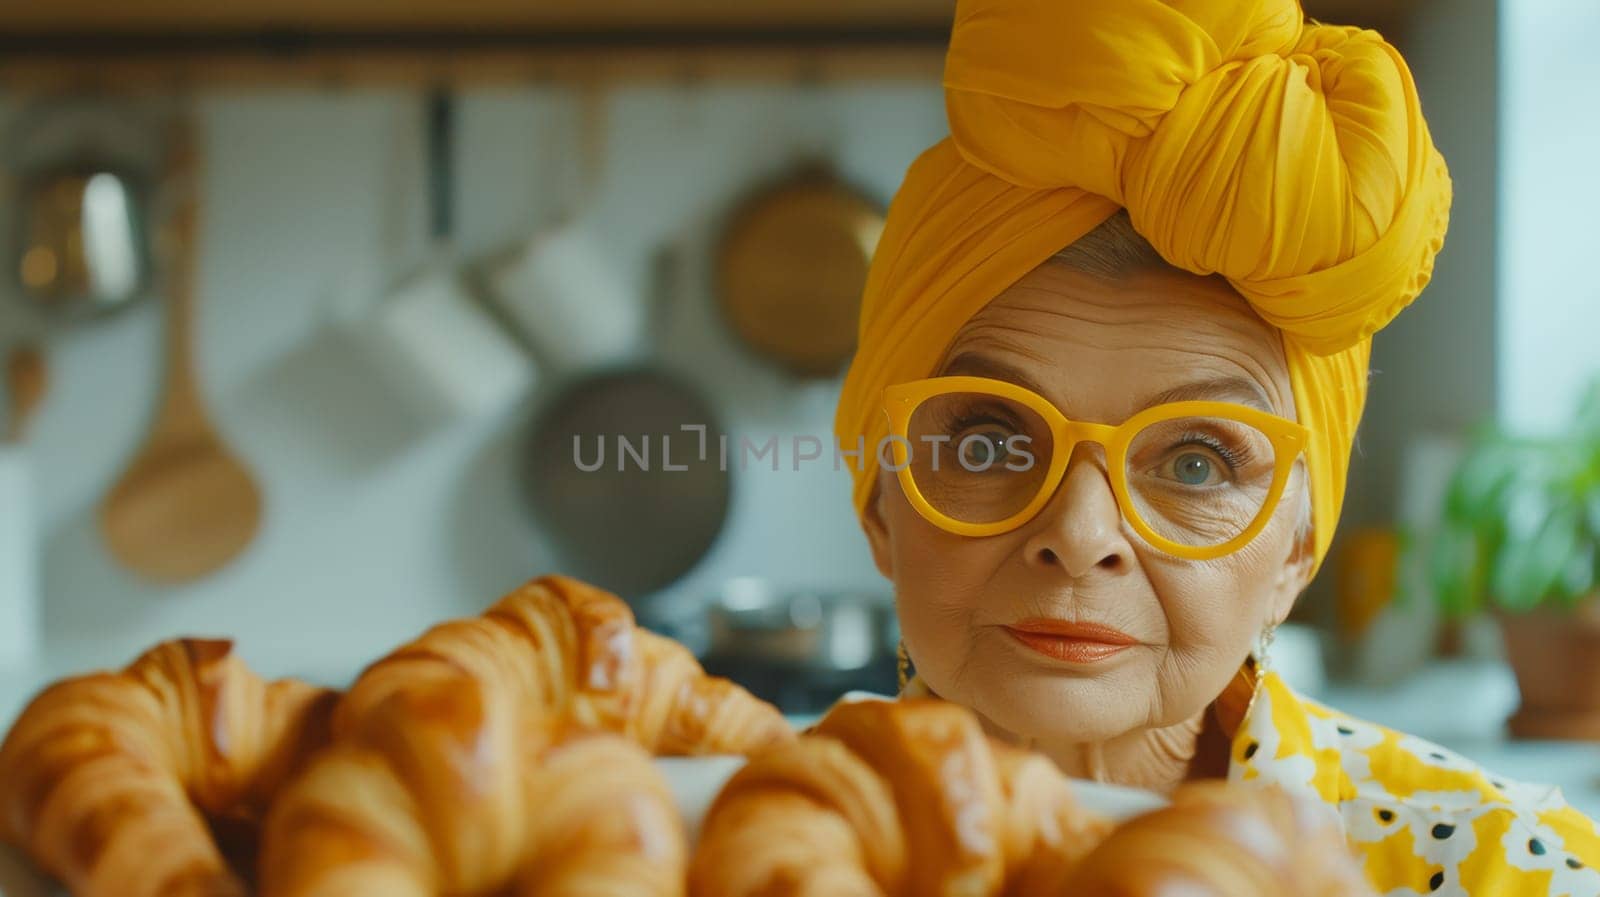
(186,506)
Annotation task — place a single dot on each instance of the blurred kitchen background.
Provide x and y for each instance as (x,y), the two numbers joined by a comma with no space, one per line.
(432,240)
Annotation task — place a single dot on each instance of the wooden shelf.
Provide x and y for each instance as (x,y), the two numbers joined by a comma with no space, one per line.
(51,44)
(160,43)
(384,15)
(408,69)
(245,19)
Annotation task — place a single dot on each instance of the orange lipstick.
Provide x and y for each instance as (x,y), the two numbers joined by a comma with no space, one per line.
(1071,642)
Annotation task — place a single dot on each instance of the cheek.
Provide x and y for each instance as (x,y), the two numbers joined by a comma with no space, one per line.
(1207,603)
(939,580)
(1220,605)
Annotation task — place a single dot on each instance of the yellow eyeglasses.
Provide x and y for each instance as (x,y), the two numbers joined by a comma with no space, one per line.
(1196,479)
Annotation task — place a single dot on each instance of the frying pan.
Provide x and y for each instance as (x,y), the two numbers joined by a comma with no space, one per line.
(617,510)
(791,266)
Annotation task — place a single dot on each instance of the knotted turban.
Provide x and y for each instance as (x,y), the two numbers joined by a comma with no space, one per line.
(1289,157)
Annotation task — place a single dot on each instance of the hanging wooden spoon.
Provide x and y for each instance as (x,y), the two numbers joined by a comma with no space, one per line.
(27,378)
(186,506)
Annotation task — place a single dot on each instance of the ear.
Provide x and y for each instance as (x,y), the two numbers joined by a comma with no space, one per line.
(877,529)
(1293,576)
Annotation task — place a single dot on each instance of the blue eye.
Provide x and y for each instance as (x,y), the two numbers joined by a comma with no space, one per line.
(1192,469)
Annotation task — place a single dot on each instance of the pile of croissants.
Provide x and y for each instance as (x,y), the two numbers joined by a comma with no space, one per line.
(511,754)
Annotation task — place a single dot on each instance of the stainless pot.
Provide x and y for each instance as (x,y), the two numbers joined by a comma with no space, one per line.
(82,246)
(802,648)
(85,205)
(817,629)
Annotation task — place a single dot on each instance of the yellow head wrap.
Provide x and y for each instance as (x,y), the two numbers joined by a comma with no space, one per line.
(1291,158)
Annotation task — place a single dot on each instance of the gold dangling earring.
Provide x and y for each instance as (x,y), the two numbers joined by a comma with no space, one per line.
(1264,645)
(902,664)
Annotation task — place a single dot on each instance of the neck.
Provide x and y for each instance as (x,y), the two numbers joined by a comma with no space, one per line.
(1155,759)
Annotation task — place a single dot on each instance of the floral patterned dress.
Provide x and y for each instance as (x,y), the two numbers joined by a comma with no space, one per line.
(1422,819)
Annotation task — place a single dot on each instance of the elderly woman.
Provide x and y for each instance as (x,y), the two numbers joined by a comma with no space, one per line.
(1113,352)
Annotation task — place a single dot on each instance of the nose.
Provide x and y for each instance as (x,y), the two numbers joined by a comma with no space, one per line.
(1080,530)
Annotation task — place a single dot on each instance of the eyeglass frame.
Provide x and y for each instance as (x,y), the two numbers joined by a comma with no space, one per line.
(901,400)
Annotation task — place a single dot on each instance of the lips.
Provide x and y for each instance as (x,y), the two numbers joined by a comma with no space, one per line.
(1069,641)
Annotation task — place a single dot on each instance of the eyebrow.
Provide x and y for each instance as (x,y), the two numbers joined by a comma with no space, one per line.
(1238,389)
(1243,390)
(974,364)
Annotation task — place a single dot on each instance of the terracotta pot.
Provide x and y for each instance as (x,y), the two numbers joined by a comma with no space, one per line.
(1556,657)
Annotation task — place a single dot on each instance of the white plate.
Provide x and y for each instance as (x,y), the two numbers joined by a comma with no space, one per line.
(695,782)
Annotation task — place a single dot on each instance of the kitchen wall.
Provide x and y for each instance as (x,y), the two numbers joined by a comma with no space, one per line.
(1434,369)
(1549,312)
(375,528)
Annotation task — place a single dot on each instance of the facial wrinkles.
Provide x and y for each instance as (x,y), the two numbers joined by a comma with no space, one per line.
(1252,568)
(967,586)
(1174,353)
(1030,317)
(949,598)
(1096,352)
(1225,593)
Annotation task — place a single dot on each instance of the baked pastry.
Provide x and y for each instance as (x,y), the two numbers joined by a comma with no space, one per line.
(155,781)
(123,784)
(892,798)
(577,812)
(1217,838)
(427,789)
(910,799)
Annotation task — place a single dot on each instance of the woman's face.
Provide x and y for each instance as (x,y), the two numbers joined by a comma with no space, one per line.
(1097,349)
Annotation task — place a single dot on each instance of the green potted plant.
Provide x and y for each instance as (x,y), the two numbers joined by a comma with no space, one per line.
(1519,537)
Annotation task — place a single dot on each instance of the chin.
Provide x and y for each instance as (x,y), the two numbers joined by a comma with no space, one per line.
(1055,706)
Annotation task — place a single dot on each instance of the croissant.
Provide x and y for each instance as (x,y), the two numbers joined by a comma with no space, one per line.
(426,791)
(892,798)
(910,799)
(1224,839)
(116,783)
(588,815)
